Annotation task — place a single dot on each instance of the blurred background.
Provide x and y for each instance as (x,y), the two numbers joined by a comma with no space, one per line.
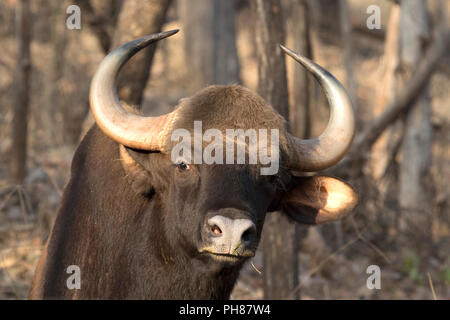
(392,56)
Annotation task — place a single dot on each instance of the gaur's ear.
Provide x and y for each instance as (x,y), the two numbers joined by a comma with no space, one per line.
(318,199)
(140,156)
(135,164)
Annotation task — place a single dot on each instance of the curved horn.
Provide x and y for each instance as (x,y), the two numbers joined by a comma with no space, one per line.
(330,147)
(131,130)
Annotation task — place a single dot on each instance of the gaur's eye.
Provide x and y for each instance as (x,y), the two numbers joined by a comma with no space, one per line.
(182,165)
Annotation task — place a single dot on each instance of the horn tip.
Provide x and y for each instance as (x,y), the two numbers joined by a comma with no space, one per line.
(157,36)
(283,47)
(306,62)
(287,50)
(170,32)
(294,55)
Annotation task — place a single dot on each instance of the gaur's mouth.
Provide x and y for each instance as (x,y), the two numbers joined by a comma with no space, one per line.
(228,257)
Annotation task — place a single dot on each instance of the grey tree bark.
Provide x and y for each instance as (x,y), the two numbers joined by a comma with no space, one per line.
(350,83)
(389,67)
(279,235)
(299,30)
(299,27)
(68,128)
(210,42)
(347,52)
(414,197)
(22,91)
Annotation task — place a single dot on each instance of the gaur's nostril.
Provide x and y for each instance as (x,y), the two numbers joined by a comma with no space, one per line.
(231,236)
(216,230)
(248,234)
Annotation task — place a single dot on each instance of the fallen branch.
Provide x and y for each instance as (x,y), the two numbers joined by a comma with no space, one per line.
(404,100)
(23,227)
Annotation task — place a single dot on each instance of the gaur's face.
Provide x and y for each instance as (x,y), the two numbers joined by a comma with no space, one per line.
(216,212)
(221,208)
(212,211)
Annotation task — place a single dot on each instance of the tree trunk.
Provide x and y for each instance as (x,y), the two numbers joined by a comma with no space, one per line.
(210,42)
(226,63)
(299,26)
(136,19)
(414,197)
(301,86)
(69,129)
(385,92)
(22,91)
(347,52)
(279,236)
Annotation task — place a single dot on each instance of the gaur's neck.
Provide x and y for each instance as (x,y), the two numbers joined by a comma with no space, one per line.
(106,229)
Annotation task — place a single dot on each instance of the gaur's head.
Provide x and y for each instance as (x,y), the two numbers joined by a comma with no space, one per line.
(223,159)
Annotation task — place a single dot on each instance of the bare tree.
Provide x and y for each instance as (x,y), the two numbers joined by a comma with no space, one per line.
(210,41)
(389,67)
(299,27)
(226,63)
(348,58)
(59,41)
(416,148)
(22,91)
(347,50)
(279,236)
